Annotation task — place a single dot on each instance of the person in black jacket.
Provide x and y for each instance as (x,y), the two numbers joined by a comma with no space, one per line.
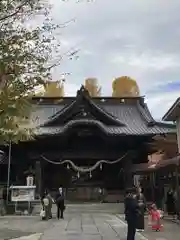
(60,203)
(131,212)
(142,206)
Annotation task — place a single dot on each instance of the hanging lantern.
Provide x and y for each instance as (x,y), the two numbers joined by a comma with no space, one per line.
(78,175)
(101,166)
(68,166)
(90,175)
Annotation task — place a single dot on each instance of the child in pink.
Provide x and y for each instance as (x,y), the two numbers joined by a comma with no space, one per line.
(155,218)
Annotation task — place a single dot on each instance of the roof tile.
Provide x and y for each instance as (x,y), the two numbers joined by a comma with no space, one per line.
(128,114)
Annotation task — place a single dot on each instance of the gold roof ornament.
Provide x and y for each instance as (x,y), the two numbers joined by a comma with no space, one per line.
(91,84)
(54,89)
(125,87)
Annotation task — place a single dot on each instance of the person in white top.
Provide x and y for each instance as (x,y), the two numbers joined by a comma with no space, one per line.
(45,203)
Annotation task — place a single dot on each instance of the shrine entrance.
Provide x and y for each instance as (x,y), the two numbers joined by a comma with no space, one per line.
(88,183)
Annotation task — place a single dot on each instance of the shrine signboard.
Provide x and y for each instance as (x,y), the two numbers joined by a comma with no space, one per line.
(22,193)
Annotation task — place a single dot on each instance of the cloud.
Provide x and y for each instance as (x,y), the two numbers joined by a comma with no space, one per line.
(138,38)
(149,61)
(169,87)
(71,89)
(160,102)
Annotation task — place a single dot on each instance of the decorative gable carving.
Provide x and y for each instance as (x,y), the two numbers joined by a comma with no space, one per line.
(82,114)
(83,108)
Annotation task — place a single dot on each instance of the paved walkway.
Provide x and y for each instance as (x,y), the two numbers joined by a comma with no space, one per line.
(171,231)
(87,227)
(79,223)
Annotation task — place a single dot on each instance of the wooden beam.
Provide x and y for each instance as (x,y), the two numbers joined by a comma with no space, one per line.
(38,178)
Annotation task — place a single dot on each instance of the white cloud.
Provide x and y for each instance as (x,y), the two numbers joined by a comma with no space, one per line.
(160,103)
(71,89)
(149,61)
(115,37)
(65,43)
(159,62)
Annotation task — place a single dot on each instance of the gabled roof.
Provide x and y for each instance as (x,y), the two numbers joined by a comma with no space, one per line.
(113,116)
(174,112)
(82,105)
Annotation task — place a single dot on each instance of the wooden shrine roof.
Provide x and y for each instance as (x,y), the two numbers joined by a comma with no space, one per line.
(114,116)
(173,113)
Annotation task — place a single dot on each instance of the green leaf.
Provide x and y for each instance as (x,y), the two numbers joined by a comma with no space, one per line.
(24,56)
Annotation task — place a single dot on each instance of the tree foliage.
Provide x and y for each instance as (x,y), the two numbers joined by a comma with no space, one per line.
(25,50)
(125,87)
(91,84)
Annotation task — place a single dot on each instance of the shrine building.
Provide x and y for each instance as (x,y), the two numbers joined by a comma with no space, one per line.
(83,143)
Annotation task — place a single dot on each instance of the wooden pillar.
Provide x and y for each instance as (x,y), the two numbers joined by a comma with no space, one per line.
(152,182)
(38,178)
(178,132)
(178,166)
(178,141)
(177,177)
(128,174)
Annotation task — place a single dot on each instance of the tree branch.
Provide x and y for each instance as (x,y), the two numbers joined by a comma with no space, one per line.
(15,12)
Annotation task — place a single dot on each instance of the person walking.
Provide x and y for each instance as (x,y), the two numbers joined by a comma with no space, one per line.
(170,203)
(60,204)
(142,205)
(131,212)
(155,218)
(45,203)
(177,202)
(2,201)
(50,205)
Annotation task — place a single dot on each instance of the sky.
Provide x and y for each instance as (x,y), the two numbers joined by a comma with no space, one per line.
(135,38)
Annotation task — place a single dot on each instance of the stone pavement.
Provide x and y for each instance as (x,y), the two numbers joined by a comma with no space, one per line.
(87,222)
(88,227)
(35,236)
(170,231)
(22,226)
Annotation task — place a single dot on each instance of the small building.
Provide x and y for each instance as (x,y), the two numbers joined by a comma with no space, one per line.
(173,115)
(163,166)
(83,143)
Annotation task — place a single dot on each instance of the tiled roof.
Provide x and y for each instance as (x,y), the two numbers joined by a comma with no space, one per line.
(173,113)
(122,117)
(42,113)
(81,103)
(129,115)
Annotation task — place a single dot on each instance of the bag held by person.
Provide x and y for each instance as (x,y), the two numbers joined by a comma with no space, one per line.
(42,213)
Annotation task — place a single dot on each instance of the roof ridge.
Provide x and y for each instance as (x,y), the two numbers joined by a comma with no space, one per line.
(83,94)
(149,119)
(170,111)
(160,123)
